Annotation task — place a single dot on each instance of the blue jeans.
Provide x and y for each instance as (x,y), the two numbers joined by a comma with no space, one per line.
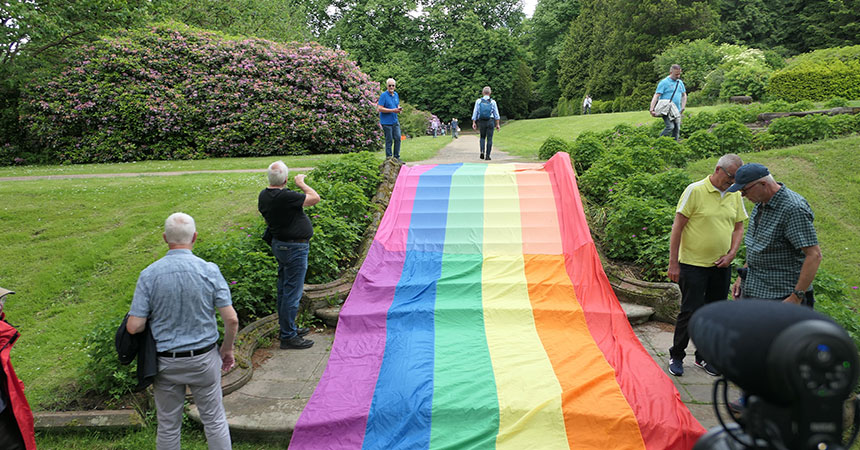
(292,266)
(392,136)
(486,127)
(673,128)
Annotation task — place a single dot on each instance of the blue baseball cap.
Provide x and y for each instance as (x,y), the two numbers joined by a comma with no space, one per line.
(748,173)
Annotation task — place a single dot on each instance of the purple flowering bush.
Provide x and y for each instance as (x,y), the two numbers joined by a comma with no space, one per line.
(174,92)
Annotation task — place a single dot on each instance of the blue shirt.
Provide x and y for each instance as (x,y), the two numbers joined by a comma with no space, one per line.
(178,295)
(387,100)
(478,106)
(667,86)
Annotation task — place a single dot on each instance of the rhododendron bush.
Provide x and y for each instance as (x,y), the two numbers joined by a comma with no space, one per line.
(171,92)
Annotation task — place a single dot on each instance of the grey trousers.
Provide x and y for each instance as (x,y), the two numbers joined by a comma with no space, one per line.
(202,374)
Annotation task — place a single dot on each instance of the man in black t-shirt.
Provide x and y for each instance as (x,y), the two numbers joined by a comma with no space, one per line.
(291,230)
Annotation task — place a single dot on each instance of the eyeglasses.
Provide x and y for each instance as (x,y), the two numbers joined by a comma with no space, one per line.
(745,190)
(390,85)
(730,175)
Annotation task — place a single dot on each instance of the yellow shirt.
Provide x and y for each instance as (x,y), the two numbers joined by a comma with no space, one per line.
(712,216)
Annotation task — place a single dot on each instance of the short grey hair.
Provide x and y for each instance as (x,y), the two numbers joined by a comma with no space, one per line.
(729,160)
(179,228)
(389,81)
(277,173)
(675,67)
(486,90)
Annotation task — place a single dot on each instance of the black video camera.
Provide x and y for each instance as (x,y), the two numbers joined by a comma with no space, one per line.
(796,367)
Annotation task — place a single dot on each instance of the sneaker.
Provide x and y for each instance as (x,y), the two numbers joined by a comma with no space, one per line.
(482,156)
(487,158)
(676,367)
(303,331)
(708,368)
(296,342)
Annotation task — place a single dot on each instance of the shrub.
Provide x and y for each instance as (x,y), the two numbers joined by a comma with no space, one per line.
(836,102)
(601,106)
(697,122)
(816,80)
(631,220)
(803,105)
(698,58)
(671,151)
(789,131)
(702,144)
(745,80)
(413,121)
(105,374)
(587,149)
(551,146)
(173,92)
(540,113)
(645,158)
(764,141)
(735,113)
(699,98)
(843,124)
(666,186)
(602,178)
(779,106)
(831,298)
(733,137)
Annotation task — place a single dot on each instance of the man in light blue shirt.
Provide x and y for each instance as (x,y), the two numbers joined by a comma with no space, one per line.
(485,115)
(671,88)
(389,107)
(178,295)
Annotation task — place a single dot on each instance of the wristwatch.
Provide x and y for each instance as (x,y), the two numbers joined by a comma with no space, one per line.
(799,294)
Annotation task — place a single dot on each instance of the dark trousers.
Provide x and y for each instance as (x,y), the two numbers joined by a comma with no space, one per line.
(486,127)
(10,434)
(699,286)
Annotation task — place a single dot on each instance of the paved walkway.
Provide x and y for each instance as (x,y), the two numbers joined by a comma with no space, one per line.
(270,404)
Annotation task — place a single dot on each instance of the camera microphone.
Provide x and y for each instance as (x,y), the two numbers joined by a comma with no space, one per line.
(796,360)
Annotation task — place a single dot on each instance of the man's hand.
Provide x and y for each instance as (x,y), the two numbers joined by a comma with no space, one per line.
(653,114)
(736,289)
(227,360)
(474,125)
(300,179)
(724,261)
(674,271)
(793,299)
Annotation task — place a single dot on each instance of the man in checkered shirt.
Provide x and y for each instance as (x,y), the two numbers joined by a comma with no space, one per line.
(782,247)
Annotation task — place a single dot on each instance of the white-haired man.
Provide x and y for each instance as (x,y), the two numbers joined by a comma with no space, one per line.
(485,117)
(389,107)
(291,231)
(178,295)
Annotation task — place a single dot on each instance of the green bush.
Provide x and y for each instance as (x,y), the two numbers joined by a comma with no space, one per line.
(764,141)
(174,92)
(633,219)
(645,158)
(836,102)
(666,186)
(816,81)
(702,144)
(105,375)
(587,149)
(843,124)
(745,80)
(697,58)
(598,182)
(789,131)
(413,121)
(803,105)
(540,113)
(831,298)
(733,137)
(699,98)
(697,122)
(671,151)
(551,146)
(779,106)
(735,113)
(601,106)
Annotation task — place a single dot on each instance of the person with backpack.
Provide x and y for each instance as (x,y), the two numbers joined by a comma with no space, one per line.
(485,117)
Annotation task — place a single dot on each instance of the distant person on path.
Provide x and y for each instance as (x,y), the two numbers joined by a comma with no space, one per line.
(706,235)
(672,90)
(389,107)
(178,295)
(781,242)
(291,232)
(485,116)
(586,105)
(455,128)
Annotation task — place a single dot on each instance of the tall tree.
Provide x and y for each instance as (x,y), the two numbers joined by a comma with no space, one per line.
(545,39)
(277,20)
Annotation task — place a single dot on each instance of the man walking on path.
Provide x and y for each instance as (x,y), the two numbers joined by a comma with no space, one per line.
(455,128)
(485,116)
(782,245)
(706,235)
(291,232)
(389,107)
(669,102)
(178,296)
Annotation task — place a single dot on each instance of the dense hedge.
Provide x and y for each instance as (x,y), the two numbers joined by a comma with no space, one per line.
(819,75)
(173,92)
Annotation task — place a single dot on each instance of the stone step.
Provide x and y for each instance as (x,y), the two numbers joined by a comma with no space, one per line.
(636,314)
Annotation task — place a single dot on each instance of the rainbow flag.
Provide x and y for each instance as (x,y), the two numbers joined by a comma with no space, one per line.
(482,318)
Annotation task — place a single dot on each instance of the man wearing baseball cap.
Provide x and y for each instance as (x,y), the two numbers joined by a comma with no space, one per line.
(781,243)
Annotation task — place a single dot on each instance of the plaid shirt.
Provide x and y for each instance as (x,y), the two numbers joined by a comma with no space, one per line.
(778,231)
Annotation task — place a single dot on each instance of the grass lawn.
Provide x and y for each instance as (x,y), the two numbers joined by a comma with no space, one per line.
(192,439)
(827,174)
(416,149)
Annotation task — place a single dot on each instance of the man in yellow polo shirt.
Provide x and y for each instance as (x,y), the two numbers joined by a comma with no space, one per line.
(706,234)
